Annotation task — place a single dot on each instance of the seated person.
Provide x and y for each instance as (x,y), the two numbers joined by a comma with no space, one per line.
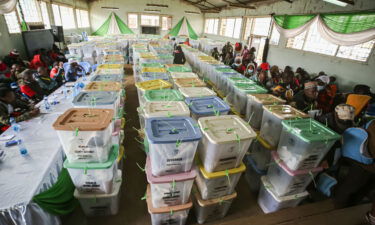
(215,53)
(238,66)
(44,81)
(339,120)
(250,70)
(12,107)
(74,71)
(37,62)
(305,99)
(179,56)
(275,76)
(15,72)
(13,58)
(4,70)
(30,87)
(301,75)
(57,72)
(327,93)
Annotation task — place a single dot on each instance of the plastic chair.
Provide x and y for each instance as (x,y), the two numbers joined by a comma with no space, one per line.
(86,66)
(354,142)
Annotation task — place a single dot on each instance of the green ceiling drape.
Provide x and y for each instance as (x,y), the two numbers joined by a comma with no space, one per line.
(292,21)
(344,23)
(176,29)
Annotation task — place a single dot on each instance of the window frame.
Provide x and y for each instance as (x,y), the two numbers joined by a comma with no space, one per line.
(38,12)
(73,14)
(330,56)
(169,24)
(79,20)
(234,26)
(215,31)
(138,18)
(155,15)
(47,26)
(18,22)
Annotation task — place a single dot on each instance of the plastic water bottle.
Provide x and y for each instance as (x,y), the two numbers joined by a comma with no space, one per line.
(15,126)
(65,91)
(21,147)
(47,106)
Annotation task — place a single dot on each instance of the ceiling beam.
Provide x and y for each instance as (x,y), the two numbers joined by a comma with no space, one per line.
(239,5)
(197,2)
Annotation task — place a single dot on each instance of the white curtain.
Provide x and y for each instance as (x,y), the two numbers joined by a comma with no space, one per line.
(289,33)
(113,26)
(328,34)
(344,39)
(7,6)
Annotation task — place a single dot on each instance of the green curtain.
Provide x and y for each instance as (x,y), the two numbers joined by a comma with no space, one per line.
(292,21)
(59,199)
(176,29)
(349,22)
(124,29)
(103,29)
(191,31)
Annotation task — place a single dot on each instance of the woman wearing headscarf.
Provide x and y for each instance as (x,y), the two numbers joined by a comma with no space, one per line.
(179,56)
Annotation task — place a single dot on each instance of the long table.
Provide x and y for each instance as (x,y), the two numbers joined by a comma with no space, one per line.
(23,177)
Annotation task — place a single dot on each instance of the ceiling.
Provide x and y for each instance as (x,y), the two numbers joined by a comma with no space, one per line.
(215,6)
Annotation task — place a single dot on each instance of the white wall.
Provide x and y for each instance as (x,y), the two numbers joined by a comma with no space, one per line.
(348,72)
(176,10)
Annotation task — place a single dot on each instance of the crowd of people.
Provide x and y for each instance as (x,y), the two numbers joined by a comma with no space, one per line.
(319,96)
(24,83)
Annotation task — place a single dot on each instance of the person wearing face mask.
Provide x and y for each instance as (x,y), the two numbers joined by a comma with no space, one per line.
(250,70)
(327,93)
(238,66)
(305,99)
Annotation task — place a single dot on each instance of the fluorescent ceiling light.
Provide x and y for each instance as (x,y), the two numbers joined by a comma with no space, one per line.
(110,8)
(192,12)
(337,2)
(151,10)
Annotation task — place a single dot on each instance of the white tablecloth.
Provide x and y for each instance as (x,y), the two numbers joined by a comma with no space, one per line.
(23,177)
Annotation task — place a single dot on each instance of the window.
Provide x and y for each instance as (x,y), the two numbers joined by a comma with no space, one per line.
(12,22)
(166,23)
(149,20)
(261,26)
(82,18)
(43,9)
(275,36)
(311,41)
(231,27)
(64,16)
(211,26)
(297,41)
(56,15)
(357,52)
(67,17)
(248,26)
(30,11)
(133,21)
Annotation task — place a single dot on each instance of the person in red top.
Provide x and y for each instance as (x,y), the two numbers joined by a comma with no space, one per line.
(187,42)
(238,66)
(57,72)
(37,62)
(30,87)
(327,93)
(4,70)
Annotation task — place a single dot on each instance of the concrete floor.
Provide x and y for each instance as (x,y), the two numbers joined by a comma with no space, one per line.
(244,210)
